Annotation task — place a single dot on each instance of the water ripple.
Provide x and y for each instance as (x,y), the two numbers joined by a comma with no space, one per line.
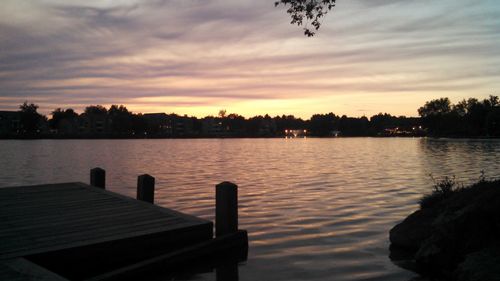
(315,209)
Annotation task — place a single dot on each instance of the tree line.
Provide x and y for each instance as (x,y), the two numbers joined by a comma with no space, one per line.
(467,118)
(439,117)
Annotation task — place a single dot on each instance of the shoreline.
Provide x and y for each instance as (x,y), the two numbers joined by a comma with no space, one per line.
(107,137)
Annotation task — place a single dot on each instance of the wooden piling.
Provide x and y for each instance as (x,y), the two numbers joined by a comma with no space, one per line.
(226,208)
(146,188)
(98,178)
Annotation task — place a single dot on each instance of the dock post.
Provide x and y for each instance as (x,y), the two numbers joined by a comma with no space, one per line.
(226,208)
(146,188)
(98,178)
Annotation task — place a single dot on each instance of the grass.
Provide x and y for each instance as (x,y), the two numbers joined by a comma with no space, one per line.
(443,189)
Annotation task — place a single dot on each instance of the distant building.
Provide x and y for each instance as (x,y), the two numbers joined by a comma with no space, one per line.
(183,125)
(93,124)
(66,126)
(404,132)
(159,123)
(211,126)
(10,122)
(335,133)
(295,133)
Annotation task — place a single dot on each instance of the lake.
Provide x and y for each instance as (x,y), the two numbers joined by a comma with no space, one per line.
(315,209)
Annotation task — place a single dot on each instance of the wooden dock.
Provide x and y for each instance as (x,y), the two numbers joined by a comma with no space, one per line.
(77,231)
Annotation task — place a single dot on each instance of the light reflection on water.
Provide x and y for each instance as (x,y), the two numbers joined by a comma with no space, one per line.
(315,209)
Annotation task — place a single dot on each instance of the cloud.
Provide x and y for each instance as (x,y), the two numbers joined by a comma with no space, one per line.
(198,53)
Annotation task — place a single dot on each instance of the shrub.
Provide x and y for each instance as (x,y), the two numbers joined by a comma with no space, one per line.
(442,189)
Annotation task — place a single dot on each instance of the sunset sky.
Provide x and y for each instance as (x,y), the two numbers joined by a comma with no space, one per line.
(198,56)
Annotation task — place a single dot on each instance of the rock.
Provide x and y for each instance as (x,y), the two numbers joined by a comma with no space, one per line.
(480,266)
(434,257)
(455,238)
(410,233)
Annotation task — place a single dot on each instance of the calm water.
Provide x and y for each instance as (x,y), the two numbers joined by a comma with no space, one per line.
(315,209)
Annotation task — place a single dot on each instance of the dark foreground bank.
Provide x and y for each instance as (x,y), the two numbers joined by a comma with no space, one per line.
(454,236)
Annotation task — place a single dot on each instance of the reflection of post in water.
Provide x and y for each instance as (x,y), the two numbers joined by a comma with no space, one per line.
(227,272)
(226,263)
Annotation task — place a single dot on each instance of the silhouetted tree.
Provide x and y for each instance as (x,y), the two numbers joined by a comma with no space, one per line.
(470,117)
(380,122)
(97,118)
(234,124)
(493,122)
(435,107)
(115,110)
(222,113)
(120,119)
(95,110)
(305,12)
(434,113)
(289,122)
(322,125)
(478,113)
(253,125)
(64,120)
(30,118)
(350,126)
(197,125)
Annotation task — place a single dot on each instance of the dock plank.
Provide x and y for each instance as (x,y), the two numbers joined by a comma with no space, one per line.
(54,218)
(20,269)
